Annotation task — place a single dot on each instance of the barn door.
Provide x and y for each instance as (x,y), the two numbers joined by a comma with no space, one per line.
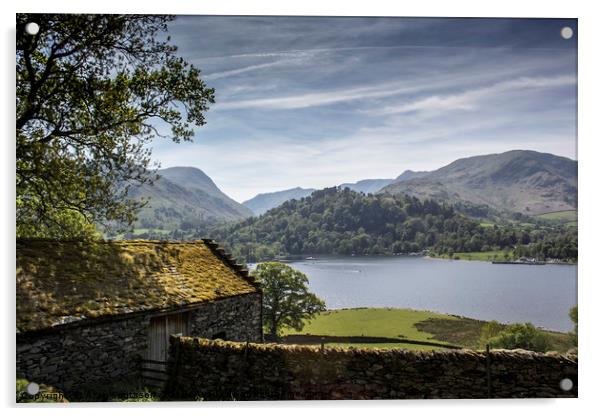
(154,369)
(161,327)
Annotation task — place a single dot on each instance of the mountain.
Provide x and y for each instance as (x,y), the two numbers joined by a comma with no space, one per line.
(367,186)
(264,202)
(410,174)
(522,181)
(184,197)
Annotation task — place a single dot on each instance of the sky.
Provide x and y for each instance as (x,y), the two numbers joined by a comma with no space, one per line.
(319,101)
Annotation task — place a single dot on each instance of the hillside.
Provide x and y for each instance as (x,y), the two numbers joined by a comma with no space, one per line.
(341,221)
(522,181)
(367,186)
(410,174)
(264,202)
(185,197)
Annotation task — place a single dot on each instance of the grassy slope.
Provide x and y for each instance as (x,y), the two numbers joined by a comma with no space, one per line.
(404,323)
(377,322)
(374,322)
(569,215)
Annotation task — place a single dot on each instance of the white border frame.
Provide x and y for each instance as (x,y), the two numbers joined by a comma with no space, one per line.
(590,33)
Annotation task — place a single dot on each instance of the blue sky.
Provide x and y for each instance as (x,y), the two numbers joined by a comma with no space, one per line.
(315,102)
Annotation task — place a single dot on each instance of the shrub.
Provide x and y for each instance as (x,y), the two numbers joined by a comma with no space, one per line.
(490,330)
(524,336)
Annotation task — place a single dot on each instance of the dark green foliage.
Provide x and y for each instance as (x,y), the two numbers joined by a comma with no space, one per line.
(514,336)
(286,299)
(90,90)
(334,221)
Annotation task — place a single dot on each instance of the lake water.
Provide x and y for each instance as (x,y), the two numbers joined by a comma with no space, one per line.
(542,295)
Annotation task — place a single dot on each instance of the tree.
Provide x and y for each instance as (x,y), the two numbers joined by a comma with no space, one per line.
(490,330)
(92,91)
(286,299)
(524,336)
(573,316)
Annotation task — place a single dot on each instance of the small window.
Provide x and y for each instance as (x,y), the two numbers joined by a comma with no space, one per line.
(220,335)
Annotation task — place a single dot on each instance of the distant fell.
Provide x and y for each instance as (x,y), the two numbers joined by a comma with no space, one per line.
(522,181)
(185,197)
(266,201)
(367,186)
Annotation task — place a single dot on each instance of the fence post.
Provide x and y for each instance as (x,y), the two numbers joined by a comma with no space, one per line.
(488,372)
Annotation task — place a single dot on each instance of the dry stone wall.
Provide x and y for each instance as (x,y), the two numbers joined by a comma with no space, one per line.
(217,370)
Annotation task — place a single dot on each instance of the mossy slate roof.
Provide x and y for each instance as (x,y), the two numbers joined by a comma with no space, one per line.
(64,282)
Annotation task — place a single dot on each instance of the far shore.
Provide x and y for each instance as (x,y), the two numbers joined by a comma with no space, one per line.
(495,257)
(482,257)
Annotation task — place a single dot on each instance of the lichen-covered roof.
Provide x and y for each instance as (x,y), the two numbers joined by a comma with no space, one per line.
(59,282)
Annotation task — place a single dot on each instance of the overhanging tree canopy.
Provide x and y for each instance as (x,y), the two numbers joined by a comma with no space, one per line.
(91,91)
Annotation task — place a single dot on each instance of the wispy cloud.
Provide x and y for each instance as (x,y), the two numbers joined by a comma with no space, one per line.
(316,99)
(249,68)
(469,100)
(463,100)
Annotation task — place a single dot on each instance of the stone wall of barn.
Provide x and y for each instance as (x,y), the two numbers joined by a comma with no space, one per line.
(233,319)
(96,354)
(83,355)
(217,370)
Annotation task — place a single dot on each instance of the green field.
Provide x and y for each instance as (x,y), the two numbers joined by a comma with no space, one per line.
(568,217)
(482,255)
(370,322)
(477,255)
(403,324)
(373,322)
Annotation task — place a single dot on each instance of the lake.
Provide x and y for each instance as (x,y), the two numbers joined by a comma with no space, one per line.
(542,294)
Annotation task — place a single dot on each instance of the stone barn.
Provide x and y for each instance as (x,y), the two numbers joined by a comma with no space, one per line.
(91,313)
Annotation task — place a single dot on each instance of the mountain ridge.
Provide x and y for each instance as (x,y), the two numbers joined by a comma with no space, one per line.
(522,181)
(410,174)
(367,186)
(263,202)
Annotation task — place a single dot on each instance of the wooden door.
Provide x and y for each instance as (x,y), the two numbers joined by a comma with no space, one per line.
(154,368)
(161,327)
